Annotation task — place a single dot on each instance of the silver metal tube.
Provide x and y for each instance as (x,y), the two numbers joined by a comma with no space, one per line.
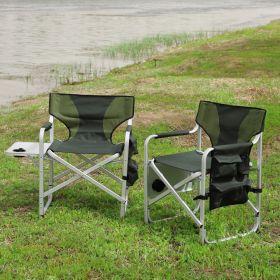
(202,192)
(195,129)
(199,138)
(256,138)
(51,120)
(178,185)
(250,204)
(179,199)
(85,176)
(259,177)
(80,165)
(41,171)
(76,177)
(104,170)
(253,229)
(126,150)
(146,171)
(125,168)
(112,175)
(146,166)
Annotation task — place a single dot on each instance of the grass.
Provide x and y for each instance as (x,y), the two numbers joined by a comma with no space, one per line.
(70,74)
(147,47)
(82,236)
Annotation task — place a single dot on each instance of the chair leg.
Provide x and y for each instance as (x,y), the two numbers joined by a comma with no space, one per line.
(146,205)
(202,231)
(125,196)
(41,185)
(51,173)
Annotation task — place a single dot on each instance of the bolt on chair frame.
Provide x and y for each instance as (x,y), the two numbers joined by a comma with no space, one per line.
(95,166)
(199,220)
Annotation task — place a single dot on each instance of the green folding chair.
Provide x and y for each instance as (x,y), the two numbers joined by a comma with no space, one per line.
(91,121)
(233,131)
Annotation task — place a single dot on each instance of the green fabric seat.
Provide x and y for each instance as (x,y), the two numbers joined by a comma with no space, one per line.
(188,161)
(86,147)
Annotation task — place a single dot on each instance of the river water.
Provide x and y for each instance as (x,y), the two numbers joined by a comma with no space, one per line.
(38,36)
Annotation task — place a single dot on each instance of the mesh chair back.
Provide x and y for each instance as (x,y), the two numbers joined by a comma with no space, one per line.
(229,124)
(91,117)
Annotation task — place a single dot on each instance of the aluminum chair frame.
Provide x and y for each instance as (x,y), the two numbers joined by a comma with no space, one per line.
(50,156)
(199,219)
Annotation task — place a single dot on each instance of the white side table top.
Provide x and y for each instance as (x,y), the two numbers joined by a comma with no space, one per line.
(25,149)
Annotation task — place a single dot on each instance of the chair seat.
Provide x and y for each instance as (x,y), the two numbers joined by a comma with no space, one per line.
(188,161)
(86,147)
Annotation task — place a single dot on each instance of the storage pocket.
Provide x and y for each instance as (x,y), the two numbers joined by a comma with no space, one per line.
(243,167)
(132,172)
(228,193)
(225,165)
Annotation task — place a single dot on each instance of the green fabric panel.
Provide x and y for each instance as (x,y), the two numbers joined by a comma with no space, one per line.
(227,124)
(228,158)
(91,110)
(251,125)
(91,120)
(63,108)
(86,147)
(120,109)
(188,161)
(230,119)
(208,118)
(235,148)
(91,117)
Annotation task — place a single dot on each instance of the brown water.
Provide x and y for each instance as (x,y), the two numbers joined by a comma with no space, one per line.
(39,37)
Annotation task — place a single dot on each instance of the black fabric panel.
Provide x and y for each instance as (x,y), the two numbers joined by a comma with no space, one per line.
(227,124)
(188,161)
(47,126)
(132,170)
(172,134)
(91,120)
(230,119)
(91,114)
(229,175)
(158,185)
(76,146)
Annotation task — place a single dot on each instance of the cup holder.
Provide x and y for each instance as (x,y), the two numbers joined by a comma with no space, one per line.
(19,150)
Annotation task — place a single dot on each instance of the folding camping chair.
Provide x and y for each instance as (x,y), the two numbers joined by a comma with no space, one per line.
(91,121)
(233,130)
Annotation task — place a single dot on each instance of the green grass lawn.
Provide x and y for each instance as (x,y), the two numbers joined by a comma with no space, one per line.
(82,236)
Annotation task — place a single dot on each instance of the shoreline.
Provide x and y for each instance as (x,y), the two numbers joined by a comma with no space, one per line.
(167,50)
(18,90)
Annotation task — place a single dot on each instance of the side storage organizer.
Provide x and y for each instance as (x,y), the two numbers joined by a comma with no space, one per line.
(229,177)
(174,175)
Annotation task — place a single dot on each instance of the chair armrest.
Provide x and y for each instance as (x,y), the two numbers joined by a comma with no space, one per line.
(172,134)
(47,126)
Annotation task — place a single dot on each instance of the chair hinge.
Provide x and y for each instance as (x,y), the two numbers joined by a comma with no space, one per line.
(203,197)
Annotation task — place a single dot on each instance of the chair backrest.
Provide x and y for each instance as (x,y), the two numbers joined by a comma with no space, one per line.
(91,117)
(229,124)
